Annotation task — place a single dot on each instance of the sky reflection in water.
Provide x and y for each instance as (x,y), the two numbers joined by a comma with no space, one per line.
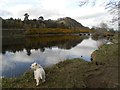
(15,64)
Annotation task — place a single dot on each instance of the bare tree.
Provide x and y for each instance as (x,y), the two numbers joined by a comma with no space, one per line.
(103,25)
(112,6)
(41,18)
(108,3)
(26,16)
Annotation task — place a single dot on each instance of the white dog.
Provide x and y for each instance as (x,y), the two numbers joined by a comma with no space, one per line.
(39,73)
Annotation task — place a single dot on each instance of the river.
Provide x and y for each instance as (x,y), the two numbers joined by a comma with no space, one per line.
(19,53)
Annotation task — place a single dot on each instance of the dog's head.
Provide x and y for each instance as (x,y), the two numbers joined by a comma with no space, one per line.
(35,66)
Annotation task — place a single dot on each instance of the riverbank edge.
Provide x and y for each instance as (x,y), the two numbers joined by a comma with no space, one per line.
(86,70)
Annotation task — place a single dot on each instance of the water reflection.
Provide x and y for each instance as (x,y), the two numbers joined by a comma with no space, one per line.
(41,42)
(18,57)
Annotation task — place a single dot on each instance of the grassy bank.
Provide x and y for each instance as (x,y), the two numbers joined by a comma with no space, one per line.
(13,33)
(102,72)
(42,31)
(55,31)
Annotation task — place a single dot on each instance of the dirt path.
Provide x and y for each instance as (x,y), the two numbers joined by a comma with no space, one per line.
(106,58)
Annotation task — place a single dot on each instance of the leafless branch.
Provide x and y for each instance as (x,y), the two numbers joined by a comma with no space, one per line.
(113,6)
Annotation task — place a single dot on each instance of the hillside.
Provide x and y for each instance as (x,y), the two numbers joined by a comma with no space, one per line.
(66,25)
(70,23)
(65,22)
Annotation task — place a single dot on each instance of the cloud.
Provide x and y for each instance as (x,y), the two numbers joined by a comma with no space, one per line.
(35,8)
(96,15)
(5,13)
(36,12)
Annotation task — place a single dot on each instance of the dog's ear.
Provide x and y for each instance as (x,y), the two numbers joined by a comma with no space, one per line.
(39,66)
(36,64)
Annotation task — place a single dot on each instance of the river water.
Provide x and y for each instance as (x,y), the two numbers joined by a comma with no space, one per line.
(19,53)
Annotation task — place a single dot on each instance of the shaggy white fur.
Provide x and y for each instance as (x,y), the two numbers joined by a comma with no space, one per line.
(39,72)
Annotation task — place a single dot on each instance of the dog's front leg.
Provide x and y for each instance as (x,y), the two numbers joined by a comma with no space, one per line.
(43,79)
(37,81)
(34,75)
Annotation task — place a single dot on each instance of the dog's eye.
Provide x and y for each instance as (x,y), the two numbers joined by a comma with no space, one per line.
(36,64)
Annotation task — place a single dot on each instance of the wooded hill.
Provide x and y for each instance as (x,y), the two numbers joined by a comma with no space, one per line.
(65,25)
(66,22)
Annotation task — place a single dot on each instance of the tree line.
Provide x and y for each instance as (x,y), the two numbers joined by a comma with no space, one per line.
(31,23)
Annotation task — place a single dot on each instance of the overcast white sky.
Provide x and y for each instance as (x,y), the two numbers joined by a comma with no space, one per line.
(54,9)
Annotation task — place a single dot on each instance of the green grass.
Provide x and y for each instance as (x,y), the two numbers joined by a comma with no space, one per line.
(65,72)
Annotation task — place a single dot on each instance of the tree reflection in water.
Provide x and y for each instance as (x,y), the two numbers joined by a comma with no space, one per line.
(40,42)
